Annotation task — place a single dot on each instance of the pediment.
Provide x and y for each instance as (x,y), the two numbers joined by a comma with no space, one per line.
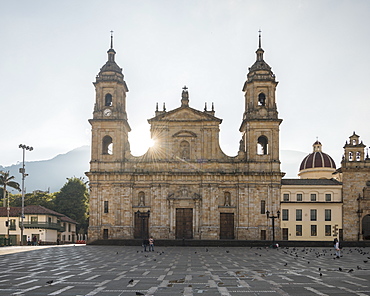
(184,193)
(185,134)
(185,114)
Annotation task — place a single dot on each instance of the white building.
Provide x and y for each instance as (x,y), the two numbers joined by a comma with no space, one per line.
(311,207)
(40,225)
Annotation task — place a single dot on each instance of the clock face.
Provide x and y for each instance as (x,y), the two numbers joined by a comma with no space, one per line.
(107,112)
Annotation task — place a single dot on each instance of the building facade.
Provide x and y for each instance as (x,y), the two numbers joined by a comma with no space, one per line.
(46,226)
(184,187)
(311,206)
(355,175)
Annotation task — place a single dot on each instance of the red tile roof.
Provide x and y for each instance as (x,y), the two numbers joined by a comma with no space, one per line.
(37,210)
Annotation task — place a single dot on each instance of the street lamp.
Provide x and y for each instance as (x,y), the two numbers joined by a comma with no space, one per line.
(22,170)
(273,217)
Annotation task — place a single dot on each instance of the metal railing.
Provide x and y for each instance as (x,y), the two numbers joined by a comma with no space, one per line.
(44,225)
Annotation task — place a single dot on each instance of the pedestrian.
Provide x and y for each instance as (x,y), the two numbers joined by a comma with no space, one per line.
(145,244)
(337,248)
(28,241)
(151,244)
(34,240)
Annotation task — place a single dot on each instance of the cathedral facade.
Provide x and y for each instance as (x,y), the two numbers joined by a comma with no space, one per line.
(184,187)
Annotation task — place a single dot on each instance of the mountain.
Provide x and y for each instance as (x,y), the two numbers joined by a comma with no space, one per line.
(51,174)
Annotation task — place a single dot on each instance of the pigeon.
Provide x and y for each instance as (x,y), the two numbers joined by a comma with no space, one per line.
(320,274)
(285,264)
(319,268)
(340,269)
(358,267)
(139,293)
(365,261)
(49,282)
(130,281)
(227,251)
(350,270)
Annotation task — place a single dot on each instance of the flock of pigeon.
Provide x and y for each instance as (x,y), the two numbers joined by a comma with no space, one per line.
(297,253)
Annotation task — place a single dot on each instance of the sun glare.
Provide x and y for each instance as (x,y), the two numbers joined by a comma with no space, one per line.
(140,142)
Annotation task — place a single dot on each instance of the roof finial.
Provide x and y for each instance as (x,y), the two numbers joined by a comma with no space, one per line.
(111,39)
(185,96)
(259,38)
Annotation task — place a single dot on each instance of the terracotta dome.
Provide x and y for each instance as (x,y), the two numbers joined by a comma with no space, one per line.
(317,159)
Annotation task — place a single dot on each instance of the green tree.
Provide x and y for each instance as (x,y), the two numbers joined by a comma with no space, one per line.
(37,198)
(6,181)
(72,201)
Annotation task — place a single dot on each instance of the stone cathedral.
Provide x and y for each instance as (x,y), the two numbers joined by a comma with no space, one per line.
(184,187)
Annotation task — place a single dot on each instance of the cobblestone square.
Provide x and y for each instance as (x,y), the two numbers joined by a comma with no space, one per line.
(126,270)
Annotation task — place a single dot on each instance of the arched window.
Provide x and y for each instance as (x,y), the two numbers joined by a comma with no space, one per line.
(108,100)
(262,145)
(185,150)
(261,99)
(358,156)
(350,156)
(227,202)
(107,145)
(141,198)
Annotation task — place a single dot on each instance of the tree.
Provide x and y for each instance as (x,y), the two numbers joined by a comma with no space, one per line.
(6,180)
(36,198)
(72,201)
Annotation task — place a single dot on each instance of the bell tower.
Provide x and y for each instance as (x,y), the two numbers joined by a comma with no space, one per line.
(260,126)
(109,125)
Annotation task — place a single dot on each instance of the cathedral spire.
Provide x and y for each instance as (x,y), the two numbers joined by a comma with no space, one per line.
(259,39)
(259,51)
(111,51)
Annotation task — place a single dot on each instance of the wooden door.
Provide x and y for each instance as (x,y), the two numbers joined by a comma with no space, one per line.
(184,223)
(227,226)
(141,225)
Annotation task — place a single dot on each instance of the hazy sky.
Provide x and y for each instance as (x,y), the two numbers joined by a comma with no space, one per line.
(51,52)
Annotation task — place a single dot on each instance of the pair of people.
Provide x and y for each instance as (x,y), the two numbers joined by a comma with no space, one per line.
(150,242)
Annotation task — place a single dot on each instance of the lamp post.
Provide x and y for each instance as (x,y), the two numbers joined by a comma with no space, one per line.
(273,217)
(22,170)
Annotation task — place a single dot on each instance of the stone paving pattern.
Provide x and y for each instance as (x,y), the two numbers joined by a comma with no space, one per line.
(126,270)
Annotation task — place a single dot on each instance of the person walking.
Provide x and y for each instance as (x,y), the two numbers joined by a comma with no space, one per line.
(337,248)
(145,244)
(151,244)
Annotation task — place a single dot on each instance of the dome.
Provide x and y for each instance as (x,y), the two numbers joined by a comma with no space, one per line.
(317,165)
(317,159)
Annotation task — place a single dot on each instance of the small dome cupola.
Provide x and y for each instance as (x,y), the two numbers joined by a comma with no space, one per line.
(317,165)
(260,70)
(110,71)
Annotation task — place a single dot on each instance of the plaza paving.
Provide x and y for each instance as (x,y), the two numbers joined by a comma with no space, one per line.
(126,270)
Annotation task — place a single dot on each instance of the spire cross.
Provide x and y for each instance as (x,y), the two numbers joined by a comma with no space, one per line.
(111,39)
(259,38)
(185,88)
